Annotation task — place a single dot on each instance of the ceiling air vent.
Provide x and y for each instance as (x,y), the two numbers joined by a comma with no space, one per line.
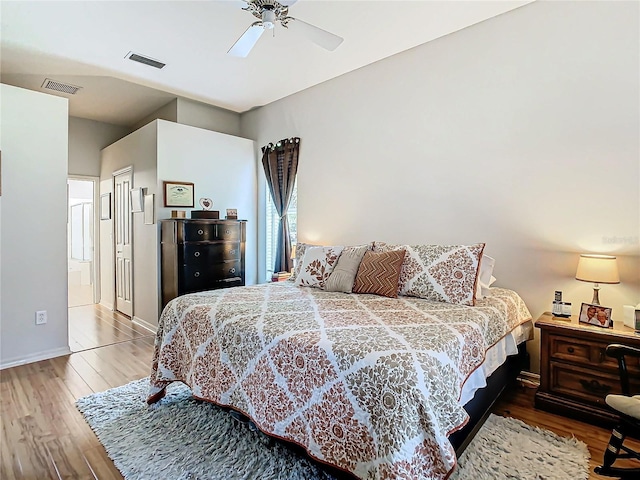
(146,60)
(60,87)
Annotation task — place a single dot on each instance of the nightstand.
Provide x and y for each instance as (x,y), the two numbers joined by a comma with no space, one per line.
(575,373)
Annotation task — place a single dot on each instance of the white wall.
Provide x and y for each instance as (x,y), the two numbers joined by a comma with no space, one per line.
(196,114)
(86,139)
(138,150)
(222,167)
(34,235)
(209,117)
(167,112)
(521,132)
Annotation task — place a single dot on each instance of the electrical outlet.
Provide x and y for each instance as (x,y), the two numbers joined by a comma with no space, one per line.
(41,317)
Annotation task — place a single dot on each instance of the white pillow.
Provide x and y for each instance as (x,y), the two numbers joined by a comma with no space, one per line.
(485,277)
(316,266)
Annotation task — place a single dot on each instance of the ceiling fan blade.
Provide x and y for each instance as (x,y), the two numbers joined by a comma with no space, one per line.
(245,43)
(316,34)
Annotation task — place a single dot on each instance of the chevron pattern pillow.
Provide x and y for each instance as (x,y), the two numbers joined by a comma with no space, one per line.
(379,272)
(442,273)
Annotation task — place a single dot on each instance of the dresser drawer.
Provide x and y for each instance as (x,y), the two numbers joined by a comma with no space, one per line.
(205,254)
(205,274)
(228,231)
(199,232)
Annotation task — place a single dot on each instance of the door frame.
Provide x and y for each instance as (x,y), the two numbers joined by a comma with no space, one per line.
(95,267)
(114,174)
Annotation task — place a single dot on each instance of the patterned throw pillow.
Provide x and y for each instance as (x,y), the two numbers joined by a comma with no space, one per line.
(379,272)
(316,266)
(301,248)
(443,273)
(344,273)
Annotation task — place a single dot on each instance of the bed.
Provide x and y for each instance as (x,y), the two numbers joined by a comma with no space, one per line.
(370,385)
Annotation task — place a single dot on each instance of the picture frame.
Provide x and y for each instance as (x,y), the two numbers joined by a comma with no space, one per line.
(178,194)
(149,210)
(105,206)
(137,200)
(597,315)
(232,214)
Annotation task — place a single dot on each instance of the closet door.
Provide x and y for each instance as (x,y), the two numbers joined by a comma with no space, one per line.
(122,239)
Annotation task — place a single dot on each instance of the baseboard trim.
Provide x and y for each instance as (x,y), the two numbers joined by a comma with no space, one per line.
(36,357)
(144,324)
(530,378)
(107,305)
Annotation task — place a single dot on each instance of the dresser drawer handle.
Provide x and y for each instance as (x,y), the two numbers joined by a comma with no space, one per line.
(595,387)
(197,274)
(227,231)
(196,254)
(570,350)
(232,270)
(200,232)
(232,252)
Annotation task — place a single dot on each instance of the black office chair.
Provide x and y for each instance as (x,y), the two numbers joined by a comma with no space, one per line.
(628,407)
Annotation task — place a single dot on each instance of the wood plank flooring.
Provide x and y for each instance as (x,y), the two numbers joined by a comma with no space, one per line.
(92,326)
(45,437)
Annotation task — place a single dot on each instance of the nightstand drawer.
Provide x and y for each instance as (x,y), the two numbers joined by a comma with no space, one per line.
(570,349)
(588,353)
(582,384)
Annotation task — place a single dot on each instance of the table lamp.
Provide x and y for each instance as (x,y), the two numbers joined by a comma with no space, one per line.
(293,257)
(597,269)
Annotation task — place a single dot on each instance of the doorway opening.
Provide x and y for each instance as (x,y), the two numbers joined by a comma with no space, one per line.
(80,239)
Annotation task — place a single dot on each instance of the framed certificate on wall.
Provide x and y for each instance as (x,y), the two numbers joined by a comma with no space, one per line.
(178,194)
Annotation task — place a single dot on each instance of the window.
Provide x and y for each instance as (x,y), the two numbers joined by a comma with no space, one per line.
(272,226)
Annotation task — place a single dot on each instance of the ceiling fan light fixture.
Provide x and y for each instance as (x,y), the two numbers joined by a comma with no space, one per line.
(268,19)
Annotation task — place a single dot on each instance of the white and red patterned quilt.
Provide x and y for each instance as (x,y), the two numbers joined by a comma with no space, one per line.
(368,384)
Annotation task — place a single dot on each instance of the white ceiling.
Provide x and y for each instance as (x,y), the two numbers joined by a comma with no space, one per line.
(85,42)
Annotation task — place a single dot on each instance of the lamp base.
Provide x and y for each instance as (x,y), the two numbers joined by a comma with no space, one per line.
(596,297)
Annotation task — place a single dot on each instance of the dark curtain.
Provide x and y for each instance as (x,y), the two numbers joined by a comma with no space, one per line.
(280,162)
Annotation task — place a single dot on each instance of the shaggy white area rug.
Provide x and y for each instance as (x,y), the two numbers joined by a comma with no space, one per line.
(181,438)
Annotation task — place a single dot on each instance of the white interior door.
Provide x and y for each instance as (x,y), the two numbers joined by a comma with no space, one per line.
(122,240)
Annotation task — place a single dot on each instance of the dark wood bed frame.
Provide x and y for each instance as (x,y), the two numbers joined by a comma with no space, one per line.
(481,404)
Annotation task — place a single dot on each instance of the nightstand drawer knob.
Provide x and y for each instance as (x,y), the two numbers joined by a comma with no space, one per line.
(197,274)
(196,254)
(200,232)
(595,386)
(570,350)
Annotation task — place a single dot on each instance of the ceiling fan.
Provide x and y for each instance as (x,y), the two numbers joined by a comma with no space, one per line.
(271,11)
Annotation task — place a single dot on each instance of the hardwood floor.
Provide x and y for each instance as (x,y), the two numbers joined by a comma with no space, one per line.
(45,437)
(92,326)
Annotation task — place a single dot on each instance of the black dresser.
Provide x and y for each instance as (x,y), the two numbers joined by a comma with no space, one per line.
(198,255)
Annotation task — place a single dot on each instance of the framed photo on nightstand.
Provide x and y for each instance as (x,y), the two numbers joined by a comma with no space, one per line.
(596,315)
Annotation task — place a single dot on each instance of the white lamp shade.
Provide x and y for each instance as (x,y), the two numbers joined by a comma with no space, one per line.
(598,269)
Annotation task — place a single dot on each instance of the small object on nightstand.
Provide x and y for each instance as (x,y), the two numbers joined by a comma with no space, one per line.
(630,314)
(560,309)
